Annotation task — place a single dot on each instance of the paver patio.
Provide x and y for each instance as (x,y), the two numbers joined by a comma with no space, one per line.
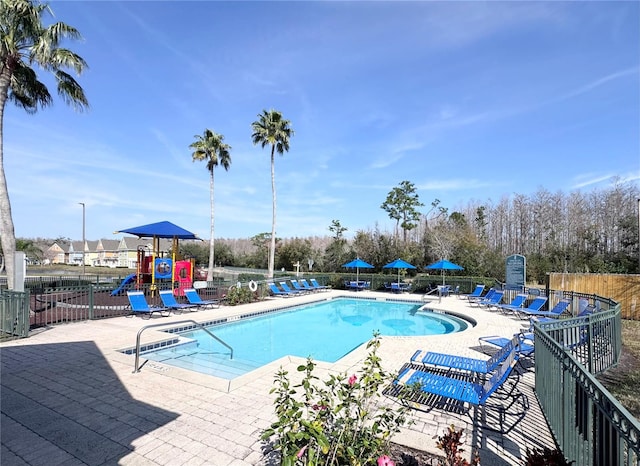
(70,397)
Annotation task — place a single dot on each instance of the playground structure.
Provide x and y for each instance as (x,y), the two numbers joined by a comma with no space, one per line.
(155,268)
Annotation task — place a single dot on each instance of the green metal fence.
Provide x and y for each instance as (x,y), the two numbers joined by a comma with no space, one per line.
(14,314)
(589,425)
(57,302)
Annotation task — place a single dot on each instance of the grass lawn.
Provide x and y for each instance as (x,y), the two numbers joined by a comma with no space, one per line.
(623,381)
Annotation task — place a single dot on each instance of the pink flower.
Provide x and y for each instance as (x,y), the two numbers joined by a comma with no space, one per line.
(303,449)
(384,460)
(352,379)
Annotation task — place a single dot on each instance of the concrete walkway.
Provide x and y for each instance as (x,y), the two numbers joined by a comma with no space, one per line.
(69,397)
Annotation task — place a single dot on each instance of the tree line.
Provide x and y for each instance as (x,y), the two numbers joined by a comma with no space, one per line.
(595,231)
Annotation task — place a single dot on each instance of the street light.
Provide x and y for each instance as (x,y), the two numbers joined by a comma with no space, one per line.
(83,238)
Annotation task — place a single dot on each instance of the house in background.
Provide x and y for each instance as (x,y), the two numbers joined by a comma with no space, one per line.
(107,253)
(129,246)
(75,253)
(104,252)
(57,253)
(91,253)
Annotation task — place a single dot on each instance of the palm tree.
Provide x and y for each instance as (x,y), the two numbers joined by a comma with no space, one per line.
(271,129)
(210,147)
(25,42)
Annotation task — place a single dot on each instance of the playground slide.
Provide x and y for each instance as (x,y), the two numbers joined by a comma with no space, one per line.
(128,279)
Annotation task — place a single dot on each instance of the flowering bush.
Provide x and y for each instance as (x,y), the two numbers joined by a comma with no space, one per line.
(450,443)
(336,423)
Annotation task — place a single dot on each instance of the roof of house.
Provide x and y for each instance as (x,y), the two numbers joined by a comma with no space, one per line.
(108,245)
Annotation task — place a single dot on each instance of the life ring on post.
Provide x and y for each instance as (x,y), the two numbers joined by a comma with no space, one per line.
(253,286)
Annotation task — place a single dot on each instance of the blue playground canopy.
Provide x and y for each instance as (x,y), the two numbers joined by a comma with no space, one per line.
(159,230)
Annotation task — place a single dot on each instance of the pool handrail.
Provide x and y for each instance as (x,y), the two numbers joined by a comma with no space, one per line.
(136,367)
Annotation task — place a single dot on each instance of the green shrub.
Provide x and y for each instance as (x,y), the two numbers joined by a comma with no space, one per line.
(241,295)
(336,423)
(247,277)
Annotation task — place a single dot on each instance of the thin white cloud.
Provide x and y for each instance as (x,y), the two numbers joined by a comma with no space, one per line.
(386,161)
(598,83)
(590,179)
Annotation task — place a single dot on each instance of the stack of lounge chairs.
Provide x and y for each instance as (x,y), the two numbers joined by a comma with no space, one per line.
(442,379)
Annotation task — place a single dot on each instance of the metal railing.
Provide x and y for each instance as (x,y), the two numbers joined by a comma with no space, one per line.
(136,367)
(589,425)
(56,303)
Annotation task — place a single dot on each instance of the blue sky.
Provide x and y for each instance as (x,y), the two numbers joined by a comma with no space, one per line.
(467,100)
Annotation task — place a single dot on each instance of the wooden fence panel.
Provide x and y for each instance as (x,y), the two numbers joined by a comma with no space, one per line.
(624,289)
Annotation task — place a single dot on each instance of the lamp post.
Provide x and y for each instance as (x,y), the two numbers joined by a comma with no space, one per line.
(83,237)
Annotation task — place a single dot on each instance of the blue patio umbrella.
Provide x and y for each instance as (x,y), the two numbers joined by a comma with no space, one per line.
(357,264)
(399,264)
(444,265)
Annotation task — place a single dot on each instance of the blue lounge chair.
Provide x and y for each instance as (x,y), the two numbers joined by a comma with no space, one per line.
(356,285)
(298,287)
(534,306)
(286,289)
(169,301)
(589,309)
(516,303)
(476,293)
(305,285)
(493,300)
(400,287)
(556,311)
(139,305)
(194,298)
(476,299)
(481,366)
(275,291)
(525,342)
(317,285)
(463,390)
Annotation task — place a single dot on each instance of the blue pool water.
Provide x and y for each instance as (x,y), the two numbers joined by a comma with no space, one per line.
(325,331)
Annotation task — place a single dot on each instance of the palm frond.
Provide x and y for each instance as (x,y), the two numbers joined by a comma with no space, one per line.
(70,91)
(57,58)
(26,91)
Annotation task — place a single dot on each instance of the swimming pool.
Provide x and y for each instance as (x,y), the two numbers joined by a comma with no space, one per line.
(324,331)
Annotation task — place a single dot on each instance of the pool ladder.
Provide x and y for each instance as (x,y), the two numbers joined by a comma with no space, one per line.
(136,367)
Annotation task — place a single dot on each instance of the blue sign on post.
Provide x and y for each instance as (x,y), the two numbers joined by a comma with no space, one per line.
(516,272)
